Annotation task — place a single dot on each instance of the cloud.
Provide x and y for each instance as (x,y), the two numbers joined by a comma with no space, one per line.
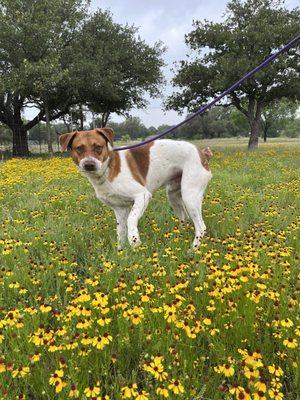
(167,21)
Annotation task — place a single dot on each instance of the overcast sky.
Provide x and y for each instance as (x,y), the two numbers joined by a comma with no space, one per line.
(167,21)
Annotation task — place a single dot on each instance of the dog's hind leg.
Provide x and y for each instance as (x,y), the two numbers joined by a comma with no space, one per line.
(175,199)
(193,185)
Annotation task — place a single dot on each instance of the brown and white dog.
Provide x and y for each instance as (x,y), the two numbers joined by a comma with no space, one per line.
(125,180)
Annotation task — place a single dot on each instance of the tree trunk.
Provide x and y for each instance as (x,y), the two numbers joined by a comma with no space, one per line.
(254,134)
(49,133)
(81,117)
(20,141)
(265,134)
(104,119)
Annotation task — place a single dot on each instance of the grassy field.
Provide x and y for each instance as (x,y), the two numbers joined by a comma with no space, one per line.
(80,320)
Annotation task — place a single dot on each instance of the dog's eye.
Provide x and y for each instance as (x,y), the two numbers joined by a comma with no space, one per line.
(98,148)
(79,149)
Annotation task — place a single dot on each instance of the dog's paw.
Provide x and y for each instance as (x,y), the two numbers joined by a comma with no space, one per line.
(135,242)
(197,241)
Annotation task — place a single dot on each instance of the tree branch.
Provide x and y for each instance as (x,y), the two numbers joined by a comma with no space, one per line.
(35,120)
(237,103)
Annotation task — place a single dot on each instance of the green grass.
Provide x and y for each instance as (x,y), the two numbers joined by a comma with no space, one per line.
(237,295)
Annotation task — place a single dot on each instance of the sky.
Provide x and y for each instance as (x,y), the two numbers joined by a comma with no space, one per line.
(167,21)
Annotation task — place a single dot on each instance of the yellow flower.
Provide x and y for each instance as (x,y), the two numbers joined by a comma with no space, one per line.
(290,343)
(92,391)
(275,394)
(74,392)
(240,393)
(225,369)
(59,385)
(161,391)
(259,396)
(250,372)
(275,370)
(142,395)
(20,372)
(260,386)
(156,369)
(45,308)
(176,387)
(129,391)
(2,366)
(35,357)
(59,373)
(287,323)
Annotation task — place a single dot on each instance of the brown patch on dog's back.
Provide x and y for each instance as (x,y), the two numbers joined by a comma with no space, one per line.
(205,156)
(138,160)
(114,166)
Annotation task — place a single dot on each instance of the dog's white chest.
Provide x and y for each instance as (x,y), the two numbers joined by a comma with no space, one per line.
(110,197)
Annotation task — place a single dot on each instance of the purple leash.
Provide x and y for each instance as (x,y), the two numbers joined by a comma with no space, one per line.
(202,109)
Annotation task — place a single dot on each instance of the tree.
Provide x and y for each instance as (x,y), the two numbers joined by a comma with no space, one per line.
(33,36)
(251,31)
(276,116)
(216,123)
(56,57)
(292,128)
(5,136)
(117,69)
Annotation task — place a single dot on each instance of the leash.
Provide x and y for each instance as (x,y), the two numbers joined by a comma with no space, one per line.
(202,109)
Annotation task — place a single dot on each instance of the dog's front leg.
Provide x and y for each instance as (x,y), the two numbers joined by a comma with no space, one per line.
(140,204)
(121,214)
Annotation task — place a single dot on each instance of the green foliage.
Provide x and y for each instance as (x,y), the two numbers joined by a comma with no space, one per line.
(54,55)
(116,67)
(34,38)
(250,32)
(5,135)
(292,129)
(277,115)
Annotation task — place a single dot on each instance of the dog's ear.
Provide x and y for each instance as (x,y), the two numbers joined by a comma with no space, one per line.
(108,133)
(66,139)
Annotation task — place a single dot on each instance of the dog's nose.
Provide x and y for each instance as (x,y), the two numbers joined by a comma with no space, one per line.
(90,166)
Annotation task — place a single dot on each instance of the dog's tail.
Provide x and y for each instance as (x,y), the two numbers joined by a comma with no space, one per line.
(205,156)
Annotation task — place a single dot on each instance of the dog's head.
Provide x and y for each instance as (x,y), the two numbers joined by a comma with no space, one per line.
(89,149)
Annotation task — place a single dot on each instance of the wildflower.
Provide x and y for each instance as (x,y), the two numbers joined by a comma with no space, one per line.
(129,391)
(35,357)
(156,369)
(250,372)
(260,386)
(225,369)
(161,391)
(287,323)
(259,396)
(290,343)
(92,391)
(275,394)
(20,372)
(176,387)
(74,392)
(142,395)
(2,366)
(275,370)
(59,373)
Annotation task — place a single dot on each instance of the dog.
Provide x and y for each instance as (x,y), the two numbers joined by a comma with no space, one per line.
(126,180)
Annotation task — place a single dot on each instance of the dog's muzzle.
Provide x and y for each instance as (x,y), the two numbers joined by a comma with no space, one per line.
(90,164)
